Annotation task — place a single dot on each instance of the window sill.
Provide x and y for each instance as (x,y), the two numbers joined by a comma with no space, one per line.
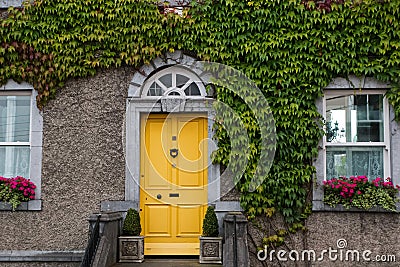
(319,205)
(9,3)
(32,205)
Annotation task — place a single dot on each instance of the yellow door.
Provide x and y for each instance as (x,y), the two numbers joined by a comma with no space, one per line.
(173,184)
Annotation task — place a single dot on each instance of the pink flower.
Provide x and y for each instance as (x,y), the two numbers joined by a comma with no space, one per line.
(358,192)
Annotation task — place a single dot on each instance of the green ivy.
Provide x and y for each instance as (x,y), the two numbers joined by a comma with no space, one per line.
(291,49)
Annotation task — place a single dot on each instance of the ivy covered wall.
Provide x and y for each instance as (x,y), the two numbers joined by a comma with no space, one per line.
(290,48)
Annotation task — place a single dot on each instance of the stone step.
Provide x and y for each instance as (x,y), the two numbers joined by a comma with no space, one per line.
(167,262)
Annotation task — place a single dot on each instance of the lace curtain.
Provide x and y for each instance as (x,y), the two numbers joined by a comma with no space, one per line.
(353,161)
(14,135)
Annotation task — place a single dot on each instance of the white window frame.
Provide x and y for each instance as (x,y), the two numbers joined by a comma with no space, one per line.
(367,85)
(19,143)
(386,133)
(174,70)
(35,141)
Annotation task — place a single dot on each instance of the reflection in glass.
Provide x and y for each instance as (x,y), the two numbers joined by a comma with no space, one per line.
(354,118)
(155,90)
(192,89)
(14,118)
(181,80)
(167,80)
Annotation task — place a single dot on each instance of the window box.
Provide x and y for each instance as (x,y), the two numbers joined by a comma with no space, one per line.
(358,192)
(320,206)
(31,205)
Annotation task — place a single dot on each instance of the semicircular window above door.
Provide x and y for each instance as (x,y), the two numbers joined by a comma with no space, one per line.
(174,81)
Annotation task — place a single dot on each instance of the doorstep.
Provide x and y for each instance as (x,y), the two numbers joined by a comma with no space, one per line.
(167,262)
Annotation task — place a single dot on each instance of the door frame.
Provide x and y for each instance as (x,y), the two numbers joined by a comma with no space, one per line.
(135,109)
(137,104)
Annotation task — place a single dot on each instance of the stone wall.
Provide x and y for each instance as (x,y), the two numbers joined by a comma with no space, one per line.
(83,164)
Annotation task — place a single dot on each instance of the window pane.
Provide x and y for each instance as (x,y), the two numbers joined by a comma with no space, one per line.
(181,80)
(192,89)
(155,90)
(354,161)
(14,161)
(15,118)
(166,80)
(354,118)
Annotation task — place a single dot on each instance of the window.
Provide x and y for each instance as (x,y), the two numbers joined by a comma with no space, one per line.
(21,132)
(15,134)
(357,138)
(174,81)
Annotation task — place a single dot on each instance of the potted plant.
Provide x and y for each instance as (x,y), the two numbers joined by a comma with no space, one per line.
(210,242)
(131,244)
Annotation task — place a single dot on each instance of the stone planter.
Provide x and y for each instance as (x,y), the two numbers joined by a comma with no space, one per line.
(131,248)
(210,250)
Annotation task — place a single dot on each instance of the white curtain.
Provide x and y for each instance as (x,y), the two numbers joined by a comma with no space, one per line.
(14,129)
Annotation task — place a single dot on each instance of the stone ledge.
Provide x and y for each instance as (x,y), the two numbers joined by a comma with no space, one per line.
(358,82)
(226,206)
(32,205)
(10,3)
(13,85)
(38,255)
(319,205)
(108,216)
(117,205)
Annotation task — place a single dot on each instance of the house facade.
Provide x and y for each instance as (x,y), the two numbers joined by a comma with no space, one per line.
(143,138)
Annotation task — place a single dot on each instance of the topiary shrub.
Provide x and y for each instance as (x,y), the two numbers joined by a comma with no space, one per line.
(210,223)
(132,225)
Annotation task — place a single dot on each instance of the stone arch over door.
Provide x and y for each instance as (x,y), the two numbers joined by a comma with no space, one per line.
(140,101)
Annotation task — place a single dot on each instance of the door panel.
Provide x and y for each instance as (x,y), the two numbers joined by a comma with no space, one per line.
(161,226)
(158,171)
(186,227)
(173,192)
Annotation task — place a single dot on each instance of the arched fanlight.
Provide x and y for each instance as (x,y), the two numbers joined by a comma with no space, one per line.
(174,81)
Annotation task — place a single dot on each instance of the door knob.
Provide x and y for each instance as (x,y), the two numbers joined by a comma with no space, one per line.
(173,152)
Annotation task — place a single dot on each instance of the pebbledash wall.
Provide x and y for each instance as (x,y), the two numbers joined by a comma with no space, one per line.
(82,165)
